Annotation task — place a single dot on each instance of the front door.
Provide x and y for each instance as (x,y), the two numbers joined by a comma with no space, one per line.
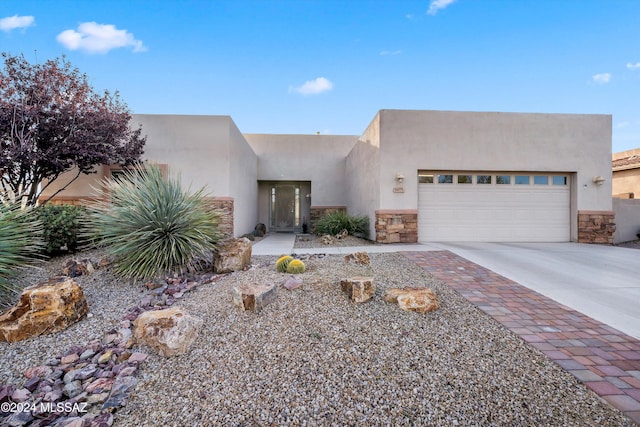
(285,208)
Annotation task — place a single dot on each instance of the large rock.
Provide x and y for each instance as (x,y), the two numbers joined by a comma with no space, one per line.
(361,258)
(171,332)
(75,268)
(253,297)
(44,308)
(232,255)
(359,289)
(422,300)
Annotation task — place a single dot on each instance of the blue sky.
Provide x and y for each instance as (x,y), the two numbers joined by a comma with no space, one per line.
(286,66)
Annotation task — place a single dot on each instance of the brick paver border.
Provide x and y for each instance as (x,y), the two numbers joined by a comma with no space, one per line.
(604,359)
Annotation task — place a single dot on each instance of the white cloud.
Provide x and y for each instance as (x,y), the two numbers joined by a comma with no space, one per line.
(313,87)
(409,16)
(390,52)
(635,66)
(436,5)
(602,78)
(98,38)
(12,22)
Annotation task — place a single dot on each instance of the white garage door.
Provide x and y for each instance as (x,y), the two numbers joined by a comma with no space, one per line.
(493,207)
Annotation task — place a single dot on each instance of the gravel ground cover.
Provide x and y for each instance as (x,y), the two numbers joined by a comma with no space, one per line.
(313,241)
(312,357)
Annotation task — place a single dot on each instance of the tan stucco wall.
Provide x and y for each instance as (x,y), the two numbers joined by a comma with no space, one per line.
(626,181)
(243,182)
(79,189)
(363,174)
(448,140)
(316,158)
(197,147)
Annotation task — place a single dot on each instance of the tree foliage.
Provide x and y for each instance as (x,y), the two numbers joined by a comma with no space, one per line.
(52,121)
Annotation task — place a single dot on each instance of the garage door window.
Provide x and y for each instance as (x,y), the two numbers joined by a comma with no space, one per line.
(483,179)
(541,180)
(464,179)
(503,179)
(559,180)
(445,179)
(522,180)
(425,179)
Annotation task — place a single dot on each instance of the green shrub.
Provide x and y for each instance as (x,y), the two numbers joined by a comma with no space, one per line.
(282,263)
(20,242)
(336,221)
(295,267)
(151,225)
(61,226)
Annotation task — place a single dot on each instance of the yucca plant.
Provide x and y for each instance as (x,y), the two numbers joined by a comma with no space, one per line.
(151,225)
(20,242)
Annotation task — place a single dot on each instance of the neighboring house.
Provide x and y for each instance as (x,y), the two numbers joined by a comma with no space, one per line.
(626,174)
(417,175)
(626,185)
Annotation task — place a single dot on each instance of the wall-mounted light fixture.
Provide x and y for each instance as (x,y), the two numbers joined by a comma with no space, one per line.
(598,180)
(399,188)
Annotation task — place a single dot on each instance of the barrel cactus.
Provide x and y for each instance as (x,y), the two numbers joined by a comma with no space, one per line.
(283,262)
(295,267)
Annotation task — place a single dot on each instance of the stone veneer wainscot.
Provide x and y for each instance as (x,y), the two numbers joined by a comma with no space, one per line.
(397,226)
(224,206)
(596,227)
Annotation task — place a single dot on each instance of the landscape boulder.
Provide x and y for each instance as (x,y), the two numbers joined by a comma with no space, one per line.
(171,331)
(75,268)
(253,297)
(232,255)
(361,258)
(48,307)
(358,289)
(422,300)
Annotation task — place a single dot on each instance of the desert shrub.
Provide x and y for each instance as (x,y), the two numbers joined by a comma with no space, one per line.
(151,225)
(20,242)
(336,221)
(295,267)
(61,226)
(283,262)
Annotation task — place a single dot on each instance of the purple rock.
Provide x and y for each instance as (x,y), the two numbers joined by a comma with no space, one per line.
(129,370)
(53,395)
(119,392)
(5,392)
(20,395)
(85,372)
(72,389)
(138,357)
(32,383)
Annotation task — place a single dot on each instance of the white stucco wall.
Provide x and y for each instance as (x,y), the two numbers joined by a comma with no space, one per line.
(363,174)
(447,140)
(316,158)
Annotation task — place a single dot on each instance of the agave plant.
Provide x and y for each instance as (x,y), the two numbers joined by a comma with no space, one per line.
(20,244)
(151,225)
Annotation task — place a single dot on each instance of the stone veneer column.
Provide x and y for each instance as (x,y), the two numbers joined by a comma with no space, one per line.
(224,207)
(317,212)
(596,227)
(397,226)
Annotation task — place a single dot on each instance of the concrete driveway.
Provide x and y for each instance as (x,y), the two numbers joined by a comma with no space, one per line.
(602,282)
